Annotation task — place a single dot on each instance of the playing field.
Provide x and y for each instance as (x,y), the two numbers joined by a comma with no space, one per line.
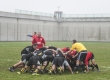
(10,54)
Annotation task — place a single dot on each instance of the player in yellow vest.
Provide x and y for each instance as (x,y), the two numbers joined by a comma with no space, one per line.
(82,51)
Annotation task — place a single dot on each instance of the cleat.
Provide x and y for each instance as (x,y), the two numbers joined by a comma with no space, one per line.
(92,68)
(60,71)
(31,71)
(11,69)
(76,72)
(23,70)
(42,71)
(98,70)
(84,71)
(54,72)
(34,74)
(50,72)
(18,72)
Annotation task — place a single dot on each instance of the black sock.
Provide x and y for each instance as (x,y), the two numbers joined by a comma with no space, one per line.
(77,66)
(91,65)
(96,66)
(83,67)
(13,67)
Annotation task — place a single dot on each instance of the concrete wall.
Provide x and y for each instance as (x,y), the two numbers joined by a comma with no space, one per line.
(15,27)
(88,31)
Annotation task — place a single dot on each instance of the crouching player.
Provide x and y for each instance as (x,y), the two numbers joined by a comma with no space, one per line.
(25,56)
(33,64)
(23,61)
(59,61)
(47,57)
(67,61)
(90,56)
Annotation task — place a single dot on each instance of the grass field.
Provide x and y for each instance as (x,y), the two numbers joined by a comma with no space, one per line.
(10,54)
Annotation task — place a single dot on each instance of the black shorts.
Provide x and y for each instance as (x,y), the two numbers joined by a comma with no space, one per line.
(58,61)
(82,55)
(26,57)
(34,60)
(49,52)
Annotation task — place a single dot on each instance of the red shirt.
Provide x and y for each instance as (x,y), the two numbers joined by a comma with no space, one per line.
(40,41)
(88,57)
(34,39)
(65,49)
(72,53)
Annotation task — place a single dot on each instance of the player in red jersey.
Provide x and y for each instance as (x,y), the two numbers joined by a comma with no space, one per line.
(40,41)
(90,56)
(34,36)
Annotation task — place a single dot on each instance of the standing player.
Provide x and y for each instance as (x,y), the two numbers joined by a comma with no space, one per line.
(40,41)
(34,36)
(82,51)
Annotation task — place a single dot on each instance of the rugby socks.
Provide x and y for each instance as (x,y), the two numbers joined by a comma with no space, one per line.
(13,67)
(36,71)
(83,67)
(26,69)
(50,68)
(92,66)
(23,70)
(96,66)
(77,66)
(43,67)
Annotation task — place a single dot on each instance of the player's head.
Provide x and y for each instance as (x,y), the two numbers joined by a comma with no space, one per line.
(65,49)
(35,33)
(74,41)
(39,34)
(35,46)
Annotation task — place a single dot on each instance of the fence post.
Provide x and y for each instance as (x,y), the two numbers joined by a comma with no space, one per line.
(14,32)
(7,31)
(17,28)
(0,31)
(53,33)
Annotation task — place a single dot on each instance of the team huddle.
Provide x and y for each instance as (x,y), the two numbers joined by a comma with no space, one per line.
(39,58)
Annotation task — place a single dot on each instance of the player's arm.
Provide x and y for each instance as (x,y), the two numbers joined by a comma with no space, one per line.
(43,41)
(86,63)
(62,52)
(72,48)
(29,35)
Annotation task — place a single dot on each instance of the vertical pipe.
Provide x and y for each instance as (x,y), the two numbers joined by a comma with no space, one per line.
(14,32)
(0,31)
(17,28)
(7,31)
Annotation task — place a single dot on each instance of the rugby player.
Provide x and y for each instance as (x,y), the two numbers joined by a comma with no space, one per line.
(58,61)
(47,56)
(82,51)
(33,64)
(34,36)
(90,56)
(26,55)
(40,41)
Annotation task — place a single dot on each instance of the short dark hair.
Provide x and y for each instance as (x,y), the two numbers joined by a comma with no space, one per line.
(74,41)
(35,32)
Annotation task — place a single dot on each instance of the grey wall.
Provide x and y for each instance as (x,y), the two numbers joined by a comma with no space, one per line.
(15,27)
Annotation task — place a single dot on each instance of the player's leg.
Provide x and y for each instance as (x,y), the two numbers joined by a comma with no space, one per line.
(93,62)
(53,68)
(60,62)
(37,64)
(67,65)
(82,58)
(15,66)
